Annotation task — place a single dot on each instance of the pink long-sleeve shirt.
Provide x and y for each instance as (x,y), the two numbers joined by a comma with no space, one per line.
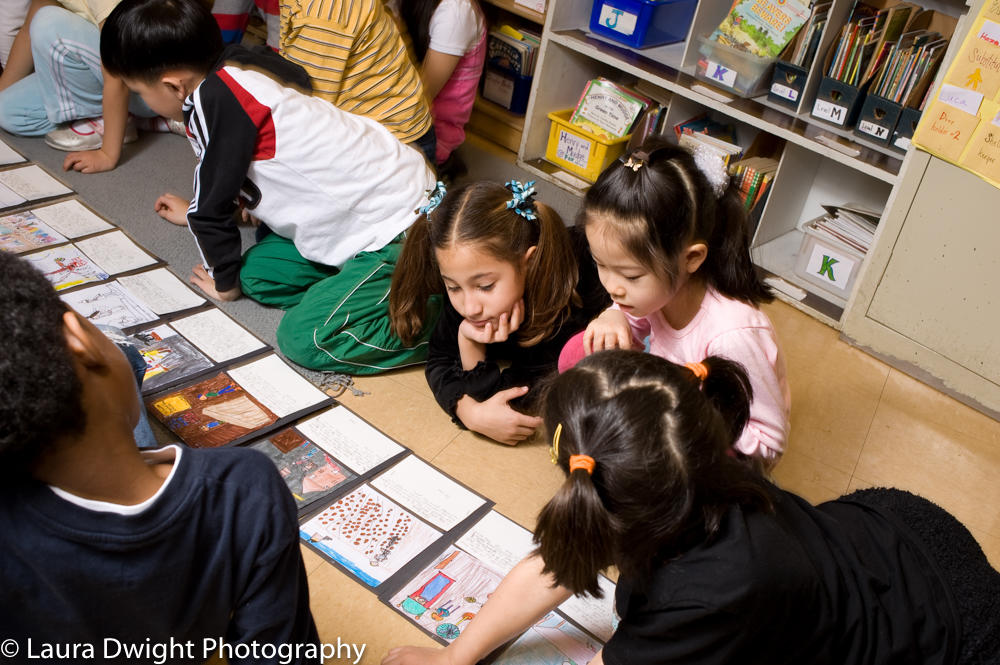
(737,331)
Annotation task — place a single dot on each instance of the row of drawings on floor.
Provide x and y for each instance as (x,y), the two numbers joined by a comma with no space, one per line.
(429,547)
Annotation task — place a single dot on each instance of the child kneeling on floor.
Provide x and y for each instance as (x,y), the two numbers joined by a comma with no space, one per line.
(102,541)
(333,192)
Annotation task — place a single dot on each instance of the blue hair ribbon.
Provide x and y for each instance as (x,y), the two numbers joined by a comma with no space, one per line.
(434,198)
(522,202)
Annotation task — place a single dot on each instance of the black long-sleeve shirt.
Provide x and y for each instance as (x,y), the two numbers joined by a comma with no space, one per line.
(527,364)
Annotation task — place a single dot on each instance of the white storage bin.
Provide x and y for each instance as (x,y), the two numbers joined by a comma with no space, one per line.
(828,264)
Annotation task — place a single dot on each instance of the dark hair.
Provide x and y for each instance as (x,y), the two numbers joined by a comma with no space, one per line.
(416,15)
(141,39)
(477,214)
(668,203)
(663,478)
(39,388)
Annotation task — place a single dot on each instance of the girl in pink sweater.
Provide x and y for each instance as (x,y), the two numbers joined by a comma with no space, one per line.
(671,242)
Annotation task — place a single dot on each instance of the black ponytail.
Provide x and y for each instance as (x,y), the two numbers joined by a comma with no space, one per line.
(728,266)
(664,477)
(663,202)
(727,387)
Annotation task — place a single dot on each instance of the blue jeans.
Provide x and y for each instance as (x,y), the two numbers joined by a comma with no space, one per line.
(67,83)
(143,433)
(427,144)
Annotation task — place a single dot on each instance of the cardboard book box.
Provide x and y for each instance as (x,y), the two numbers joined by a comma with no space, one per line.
(837,102)
(879,116)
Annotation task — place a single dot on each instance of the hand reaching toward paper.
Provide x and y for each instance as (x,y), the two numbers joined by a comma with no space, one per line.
(172,208)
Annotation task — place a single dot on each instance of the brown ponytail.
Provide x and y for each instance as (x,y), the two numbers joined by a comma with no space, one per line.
(414,280)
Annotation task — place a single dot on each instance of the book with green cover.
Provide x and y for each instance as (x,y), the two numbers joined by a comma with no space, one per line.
(762,27)
(608,110)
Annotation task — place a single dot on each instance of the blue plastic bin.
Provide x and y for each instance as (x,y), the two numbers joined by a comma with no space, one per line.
(642,23)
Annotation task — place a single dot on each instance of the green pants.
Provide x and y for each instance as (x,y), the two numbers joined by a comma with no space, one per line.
(335,320)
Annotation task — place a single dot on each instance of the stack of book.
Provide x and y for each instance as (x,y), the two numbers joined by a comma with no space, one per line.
(513,49)
(703,132)
(510,64)
(804,51)
(762,27)
(850,224)
(753,177)
(869,38)
(608,110)
(910,63)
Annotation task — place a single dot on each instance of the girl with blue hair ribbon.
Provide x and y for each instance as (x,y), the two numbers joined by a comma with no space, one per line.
(519,285)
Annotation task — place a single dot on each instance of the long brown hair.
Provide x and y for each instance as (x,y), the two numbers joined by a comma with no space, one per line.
(662,480)
(477,215)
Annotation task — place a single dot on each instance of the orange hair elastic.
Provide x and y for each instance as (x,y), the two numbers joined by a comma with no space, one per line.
(585,462)
(698,369)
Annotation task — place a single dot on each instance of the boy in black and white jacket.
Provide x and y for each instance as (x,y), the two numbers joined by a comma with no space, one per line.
(333,191)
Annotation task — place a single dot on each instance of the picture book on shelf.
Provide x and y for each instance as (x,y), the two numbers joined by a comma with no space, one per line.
(607,109)
(807,41)
(762,27)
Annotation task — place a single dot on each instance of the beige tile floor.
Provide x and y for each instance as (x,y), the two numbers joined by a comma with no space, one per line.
(856,423)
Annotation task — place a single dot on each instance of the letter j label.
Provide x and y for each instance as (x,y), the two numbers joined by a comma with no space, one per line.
(617,19)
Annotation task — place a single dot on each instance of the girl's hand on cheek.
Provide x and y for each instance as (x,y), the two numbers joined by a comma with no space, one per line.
(506,324)
(608,331)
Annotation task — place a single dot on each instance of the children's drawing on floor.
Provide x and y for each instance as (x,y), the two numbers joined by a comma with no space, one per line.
(308,470)
(66,267)
(448,593)
(168,357)
(210,413)
(110,304)
(368,534)
(551,641)
(23,232)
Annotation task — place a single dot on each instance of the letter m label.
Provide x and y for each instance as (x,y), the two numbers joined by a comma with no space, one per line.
(826,268)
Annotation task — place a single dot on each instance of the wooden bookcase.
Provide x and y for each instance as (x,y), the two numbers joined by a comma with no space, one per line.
(820,164)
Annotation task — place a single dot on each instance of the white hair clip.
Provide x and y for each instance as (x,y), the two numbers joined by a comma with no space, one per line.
(712,166)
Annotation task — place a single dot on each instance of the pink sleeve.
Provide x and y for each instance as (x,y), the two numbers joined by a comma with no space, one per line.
(757,350)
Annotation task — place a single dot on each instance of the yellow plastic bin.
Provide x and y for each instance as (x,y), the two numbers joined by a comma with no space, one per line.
(577,150)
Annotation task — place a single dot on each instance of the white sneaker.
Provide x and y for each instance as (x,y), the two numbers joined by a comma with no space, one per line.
(86,134)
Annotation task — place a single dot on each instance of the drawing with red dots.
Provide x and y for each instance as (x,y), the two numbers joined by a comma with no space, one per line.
(368,534)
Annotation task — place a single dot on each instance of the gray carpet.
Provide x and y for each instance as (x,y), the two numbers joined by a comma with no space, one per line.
(159,163)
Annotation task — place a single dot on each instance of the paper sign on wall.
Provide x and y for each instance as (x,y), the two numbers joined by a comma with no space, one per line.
(962,121)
